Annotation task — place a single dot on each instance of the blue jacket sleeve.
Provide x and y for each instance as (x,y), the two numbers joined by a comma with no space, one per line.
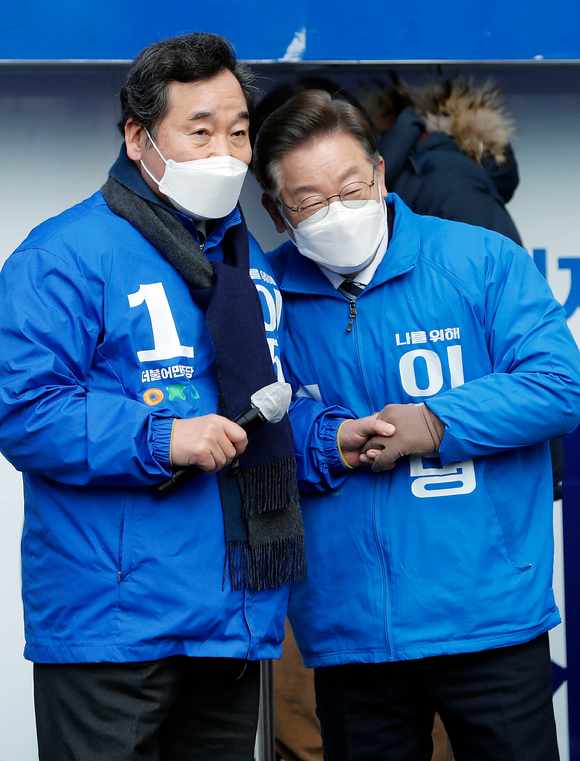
(51,422)
(319,464)
(533,390)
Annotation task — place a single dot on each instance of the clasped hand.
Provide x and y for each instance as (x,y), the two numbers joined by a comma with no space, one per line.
(394,432)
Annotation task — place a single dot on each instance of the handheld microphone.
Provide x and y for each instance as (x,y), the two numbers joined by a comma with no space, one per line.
(268,405)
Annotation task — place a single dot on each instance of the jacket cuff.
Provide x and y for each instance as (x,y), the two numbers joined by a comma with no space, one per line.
(328,436)
(161,429)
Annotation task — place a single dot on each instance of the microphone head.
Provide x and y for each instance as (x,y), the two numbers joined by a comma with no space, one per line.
(273,401)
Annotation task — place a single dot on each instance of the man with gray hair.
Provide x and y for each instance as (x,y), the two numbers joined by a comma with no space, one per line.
(135,328)
(430,572)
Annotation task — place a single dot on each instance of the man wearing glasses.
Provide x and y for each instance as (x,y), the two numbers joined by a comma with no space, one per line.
(430,571)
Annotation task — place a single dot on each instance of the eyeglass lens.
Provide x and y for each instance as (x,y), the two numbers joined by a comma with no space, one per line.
(353,195)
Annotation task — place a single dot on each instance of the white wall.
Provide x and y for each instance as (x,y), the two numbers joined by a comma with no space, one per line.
(57,141)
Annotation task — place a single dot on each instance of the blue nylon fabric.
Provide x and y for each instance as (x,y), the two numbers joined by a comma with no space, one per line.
(112,571)
(432,557)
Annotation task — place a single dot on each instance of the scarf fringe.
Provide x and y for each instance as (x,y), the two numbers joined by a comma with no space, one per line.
(266,565)
(272,486)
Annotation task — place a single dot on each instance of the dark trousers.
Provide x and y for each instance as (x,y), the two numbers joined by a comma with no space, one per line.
(174,709)
(496,705)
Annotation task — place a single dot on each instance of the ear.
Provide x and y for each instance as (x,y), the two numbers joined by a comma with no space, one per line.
(272,208)
(135,138)
(381,172)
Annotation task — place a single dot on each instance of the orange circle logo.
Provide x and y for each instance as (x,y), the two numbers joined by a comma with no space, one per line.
(153,396)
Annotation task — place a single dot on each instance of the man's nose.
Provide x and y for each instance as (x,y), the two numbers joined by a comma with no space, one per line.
(220,146)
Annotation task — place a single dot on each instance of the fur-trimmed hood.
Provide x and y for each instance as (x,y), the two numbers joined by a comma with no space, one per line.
(474,116)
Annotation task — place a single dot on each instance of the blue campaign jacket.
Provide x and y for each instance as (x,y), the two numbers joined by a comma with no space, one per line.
(102,346)
(440,555)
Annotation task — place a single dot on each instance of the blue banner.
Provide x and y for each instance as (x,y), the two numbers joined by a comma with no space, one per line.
(261,30)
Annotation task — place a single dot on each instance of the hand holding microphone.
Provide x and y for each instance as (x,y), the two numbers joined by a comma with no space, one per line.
(208,443)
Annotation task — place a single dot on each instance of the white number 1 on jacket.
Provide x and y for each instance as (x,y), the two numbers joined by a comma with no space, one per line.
(165,338)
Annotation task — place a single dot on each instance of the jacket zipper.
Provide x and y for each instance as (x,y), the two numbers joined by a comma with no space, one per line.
(352,315)
(382,557)
(385,575)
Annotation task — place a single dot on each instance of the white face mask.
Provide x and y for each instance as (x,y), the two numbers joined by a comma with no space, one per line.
(346,240)
(202,188)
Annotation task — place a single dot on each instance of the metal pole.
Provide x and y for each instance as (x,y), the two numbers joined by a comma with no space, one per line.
(266,742)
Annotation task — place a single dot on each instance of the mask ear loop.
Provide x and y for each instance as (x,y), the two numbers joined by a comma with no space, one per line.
(157,182)
(289,228)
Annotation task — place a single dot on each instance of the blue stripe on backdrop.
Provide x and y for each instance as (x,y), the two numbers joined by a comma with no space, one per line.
(264,30)
(571,516)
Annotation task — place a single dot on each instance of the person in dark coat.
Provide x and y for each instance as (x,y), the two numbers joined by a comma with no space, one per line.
(447,152)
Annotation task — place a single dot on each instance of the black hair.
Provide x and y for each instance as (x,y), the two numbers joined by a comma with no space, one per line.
(305,117)
(186,58)
(283,92)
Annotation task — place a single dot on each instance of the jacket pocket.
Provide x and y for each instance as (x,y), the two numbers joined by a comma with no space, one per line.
(126,536)
(504,514)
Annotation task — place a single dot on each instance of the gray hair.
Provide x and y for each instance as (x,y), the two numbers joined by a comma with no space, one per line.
(186,58)
(305,117)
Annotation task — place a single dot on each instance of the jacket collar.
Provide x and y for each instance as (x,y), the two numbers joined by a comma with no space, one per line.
(125,171)
(303,276)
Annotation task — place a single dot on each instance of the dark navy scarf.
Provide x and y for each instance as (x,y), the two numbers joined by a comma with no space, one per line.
(259,493)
